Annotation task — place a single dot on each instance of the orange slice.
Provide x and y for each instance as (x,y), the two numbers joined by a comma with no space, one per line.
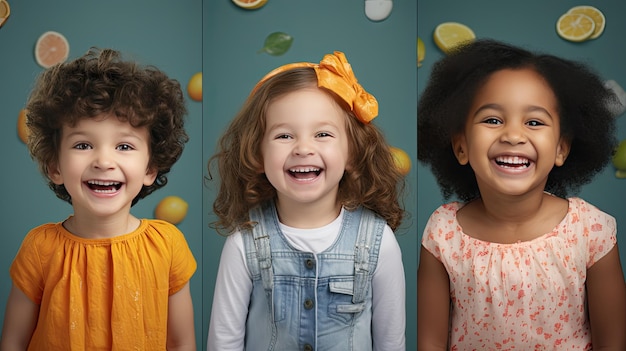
(250,4)
(596,15)
(5,11)
(575,27)
(51,48)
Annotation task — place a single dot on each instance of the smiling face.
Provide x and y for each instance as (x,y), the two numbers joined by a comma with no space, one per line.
(305,147)
(103,164)
(512,135)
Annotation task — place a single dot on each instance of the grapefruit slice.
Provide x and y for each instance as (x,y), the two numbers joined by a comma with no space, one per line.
(5,11)
(51,48)
(250,4)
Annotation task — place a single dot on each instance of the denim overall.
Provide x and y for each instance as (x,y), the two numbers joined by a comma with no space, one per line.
(317,301)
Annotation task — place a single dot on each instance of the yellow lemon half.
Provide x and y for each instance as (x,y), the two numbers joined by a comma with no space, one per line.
(194,87)
(575,27)
(250,4)
(448,35)
(402,160)
(172,209)
(596,15)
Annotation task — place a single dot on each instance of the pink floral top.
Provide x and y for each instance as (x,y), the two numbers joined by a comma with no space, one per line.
(522,296)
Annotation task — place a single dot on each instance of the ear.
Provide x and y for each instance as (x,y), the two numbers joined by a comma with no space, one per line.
(562,151)
(150,177)
(54,173)
(459,147)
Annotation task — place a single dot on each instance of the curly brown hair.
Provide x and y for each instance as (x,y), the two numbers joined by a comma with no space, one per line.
(98,83)
(372,180)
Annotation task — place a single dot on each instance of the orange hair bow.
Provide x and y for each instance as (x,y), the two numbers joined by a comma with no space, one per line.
(335,74)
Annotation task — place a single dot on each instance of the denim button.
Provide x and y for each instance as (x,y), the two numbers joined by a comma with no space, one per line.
(309,263)
(308,304)
(308,347)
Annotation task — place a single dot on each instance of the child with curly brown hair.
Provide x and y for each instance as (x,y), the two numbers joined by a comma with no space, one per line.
(105,133)
(309,195)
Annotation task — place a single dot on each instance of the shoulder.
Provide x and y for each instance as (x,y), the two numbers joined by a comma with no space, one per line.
(44,235)
(589,216)
(160,228)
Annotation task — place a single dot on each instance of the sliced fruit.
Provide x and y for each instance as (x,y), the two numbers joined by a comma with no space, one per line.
(51,48)
(596,15)
(194,87)
(5,11)
(172,209)
(448,35)
(22,128)
(575,27)
(421,51)
(250,4)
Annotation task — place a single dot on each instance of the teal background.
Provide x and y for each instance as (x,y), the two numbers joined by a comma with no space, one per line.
(222,40)
(383,57)
(532,24)
(162,33)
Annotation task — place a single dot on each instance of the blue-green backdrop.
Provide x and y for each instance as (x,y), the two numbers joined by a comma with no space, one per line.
(532,24)
(222,41)
(383,57)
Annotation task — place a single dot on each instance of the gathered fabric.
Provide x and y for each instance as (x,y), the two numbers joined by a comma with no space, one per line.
(102,294)
(522,296)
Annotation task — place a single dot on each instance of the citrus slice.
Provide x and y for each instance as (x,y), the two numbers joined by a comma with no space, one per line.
(250,4)
(421,51)
(5,11)
(448,35)
(22,128)
(596,15)
(51,48)
(575,27)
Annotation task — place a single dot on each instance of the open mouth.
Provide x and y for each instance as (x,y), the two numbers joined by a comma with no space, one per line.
(100,186)
(305,173)
(512,162)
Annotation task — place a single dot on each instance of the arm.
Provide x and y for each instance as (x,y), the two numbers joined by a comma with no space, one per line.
(433,303)
(389,297)
(233,286)
(20,320)
(606,298)
(180,323)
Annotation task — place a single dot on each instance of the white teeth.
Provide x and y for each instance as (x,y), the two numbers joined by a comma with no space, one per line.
(102,183)
(304,170)
(513,160)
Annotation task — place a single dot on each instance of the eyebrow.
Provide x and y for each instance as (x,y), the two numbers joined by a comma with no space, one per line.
(497,107)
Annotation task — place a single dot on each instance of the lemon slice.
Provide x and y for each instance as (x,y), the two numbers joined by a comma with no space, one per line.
(448,35)
(575,27)
(596,15)
(421,51)
(250,4)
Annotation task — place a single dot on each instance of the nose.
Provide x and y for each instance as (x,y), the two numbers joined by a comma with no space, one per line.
(103,159)
(513,134)
(303,148)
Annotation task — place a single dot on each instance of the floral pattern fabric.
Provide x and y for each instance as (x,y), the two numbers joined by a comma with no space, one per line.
(522,296)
